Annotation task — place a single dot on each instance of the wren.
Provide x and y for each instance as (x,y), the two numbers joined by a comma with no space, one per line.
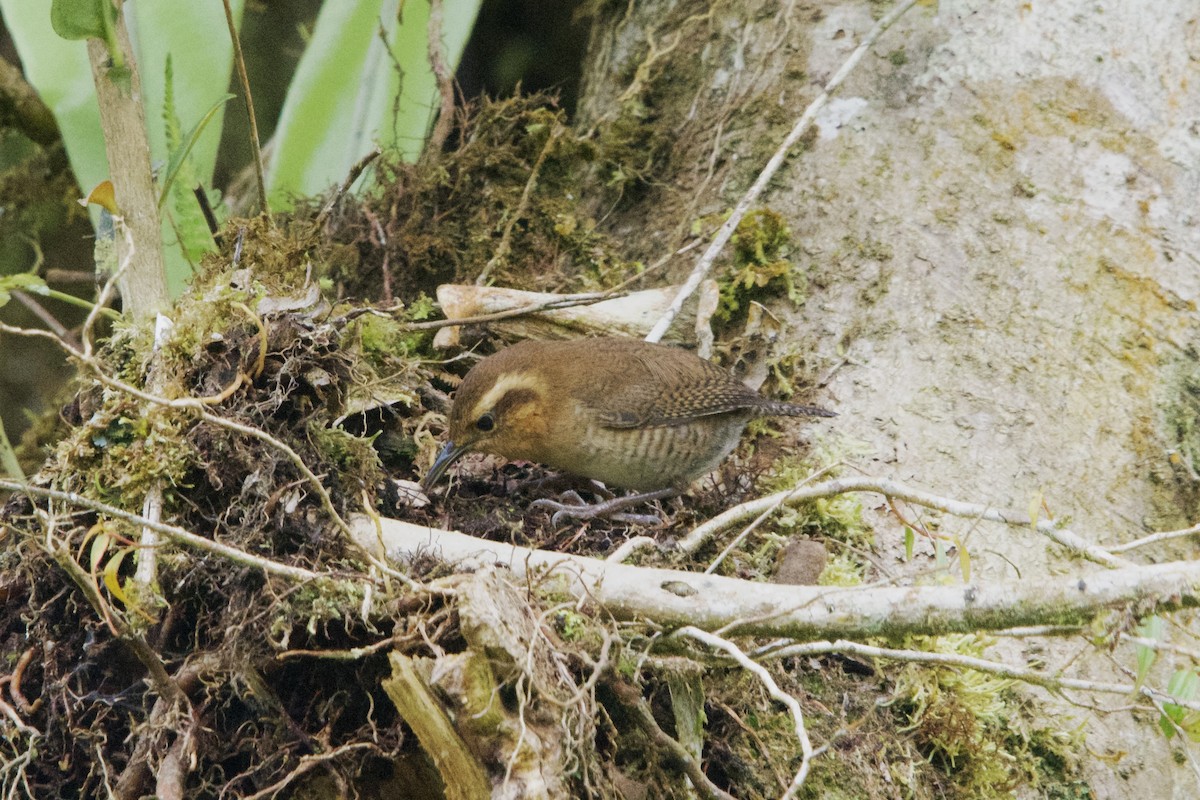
(628,413)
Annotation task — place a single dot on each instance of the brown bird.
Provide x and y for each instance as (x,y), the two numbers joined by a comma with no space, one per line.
(628,413)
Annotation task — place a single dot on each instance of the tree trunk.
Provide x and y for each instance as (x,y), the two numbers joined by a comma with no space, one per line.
(996,215)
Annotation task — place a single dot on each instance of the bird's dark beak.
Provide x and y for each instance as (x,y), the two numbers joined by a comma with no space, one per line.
(449,454)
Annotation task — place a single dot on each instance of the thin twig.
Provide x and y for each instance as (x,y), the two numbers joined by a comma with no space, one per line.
(746,511)
(45,316)
(780,696)
(58,275)
(704,264)
(1153,538)
(173,532)
(255,147)
(1053,683)
(445,79)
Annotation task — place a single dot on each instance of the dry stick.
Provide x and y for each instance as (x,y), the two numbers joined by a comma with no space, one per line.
(777,694)
(704,264)
(173,532)
(255,147)
(1053,683)
(643,717)
(746,511)
(565,301)
(444,76)
(1163,536)
(45,316)
(562,301)
(674,598)
(58,275)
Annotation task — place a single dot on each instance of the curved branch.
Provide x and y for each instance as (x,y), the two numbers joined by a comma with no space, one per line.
(674,598)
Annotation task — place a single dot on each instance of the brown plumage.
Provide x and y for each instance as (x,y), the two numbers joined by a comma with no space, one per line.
(625,412)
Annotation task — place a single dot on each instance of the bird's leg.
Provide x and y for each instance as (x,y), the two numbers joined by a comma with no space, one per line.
(609,509)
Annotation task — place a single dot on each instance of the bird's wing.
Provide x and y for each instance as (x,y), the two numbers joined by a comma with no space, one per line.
(667,391)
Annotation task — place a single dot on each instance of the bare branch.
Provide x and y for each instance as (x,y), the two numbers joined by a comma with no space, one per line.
(674,598)
(893,489)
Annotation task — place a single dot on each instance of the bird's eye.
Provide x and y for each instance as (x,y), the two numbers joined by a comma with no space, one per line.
(485,423)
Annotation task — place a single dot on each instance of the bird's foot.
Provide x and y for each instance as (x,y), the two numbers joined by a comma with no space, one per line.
(571,506)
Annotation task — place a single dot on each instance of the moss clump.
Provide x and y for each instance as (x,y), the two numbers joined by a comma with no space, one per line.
(979,730)
(760,269)
(507,198)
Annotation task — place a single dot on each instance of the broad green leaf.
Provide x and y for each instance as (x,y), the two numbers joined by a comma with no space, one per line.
(910,540)
(1150,629)
(1183,686)
(83,19)
(25,281)
(355,89)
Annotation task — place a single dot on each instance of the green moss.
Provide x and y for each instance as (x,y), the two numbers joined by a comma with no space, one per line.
(313,606)
(760,269)
(977,729)
(382,339)
(520,177)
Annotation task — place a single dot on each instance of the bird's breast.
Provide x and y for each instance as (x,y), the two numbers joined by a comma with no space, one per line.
(645,458)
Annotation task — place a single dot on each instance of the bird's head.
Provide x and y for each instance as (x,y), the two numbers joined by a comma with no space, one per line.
(499,408)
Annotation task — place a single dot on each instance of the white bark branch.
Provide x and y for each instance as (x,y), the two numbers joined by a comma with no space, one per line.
(674,598)
(899,491)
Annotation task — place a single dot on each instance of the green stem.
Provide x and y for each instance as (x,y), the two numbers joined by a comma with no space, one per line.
(8,457)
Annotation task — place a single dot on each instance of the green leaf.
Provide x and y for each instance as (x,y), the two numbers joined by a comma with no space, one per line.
(25,281)
(910,540)
(83,19)
(179,155)
(1182,686)
(112,576)
(1150,629)
(364,80)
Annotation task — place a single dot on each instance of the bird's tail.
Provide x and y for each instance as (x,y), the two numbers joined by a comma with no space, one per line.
(779,408)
